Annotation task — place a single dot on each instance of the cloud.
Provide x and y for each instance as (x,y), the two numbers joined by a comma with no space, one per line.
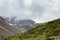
(10,8)
(37,10)
(45,10)
(27,2)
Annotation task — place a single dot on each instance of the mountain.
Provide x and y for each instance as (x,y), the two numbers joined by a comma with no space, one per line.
(47,31)
(10,27)
(25,24)
(15,20)
(7,30)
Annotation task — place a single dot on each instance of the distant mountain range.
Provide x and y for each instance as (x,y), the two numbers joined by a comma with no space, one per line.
(10,27)
(14,20)
(24,24)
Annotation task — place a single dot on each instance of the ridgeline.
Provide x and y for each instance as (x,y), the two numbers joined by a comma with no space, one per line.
(47,31)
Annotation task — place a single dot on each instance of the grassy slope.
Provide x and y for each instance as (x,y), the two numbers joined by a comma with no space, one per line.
(41,32)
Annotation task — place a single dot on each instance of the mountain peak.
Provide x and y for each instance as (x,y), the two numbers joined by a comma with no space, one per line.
(2,19)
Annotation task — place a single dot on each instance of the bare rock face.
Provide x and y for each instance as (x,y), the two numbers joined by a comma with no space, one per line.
(7,30)
(25,24)
(2,19)
(9,27)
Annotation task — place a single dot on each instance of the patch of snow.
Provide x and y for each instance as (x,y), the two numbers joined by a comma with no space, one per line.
(10,24)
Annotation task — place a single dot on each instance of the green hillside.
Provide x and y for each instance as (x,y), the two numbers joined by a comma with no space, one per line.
(47,31)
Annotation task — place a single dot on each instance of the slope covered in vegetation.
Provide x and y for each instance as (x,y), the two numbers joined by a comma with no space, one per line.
(47,31)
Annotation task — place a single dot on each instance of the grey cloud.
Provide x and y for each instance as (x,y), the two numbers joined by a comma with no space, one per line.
(39,10)
(36,8)
(14,8)
(44,11)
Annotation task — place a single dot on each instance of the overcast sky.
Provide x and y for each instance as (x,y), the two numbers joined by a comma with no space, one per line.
(38,10)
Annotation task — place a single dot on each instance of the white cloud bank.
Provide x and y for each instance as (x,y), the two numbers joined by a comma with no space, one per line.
(38,10)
